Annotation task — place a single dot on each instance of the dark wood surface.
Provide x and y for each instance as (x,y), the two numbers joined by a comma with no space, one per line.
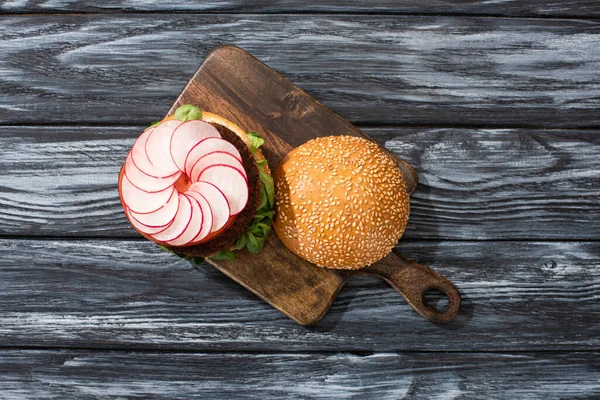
(417,70)
(474,184)
(54,375)
(517,296)
(521,8)
(499,116)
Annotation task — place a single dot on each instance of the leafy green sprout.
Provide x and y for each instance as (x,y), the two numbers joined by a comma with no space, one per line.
(188,112)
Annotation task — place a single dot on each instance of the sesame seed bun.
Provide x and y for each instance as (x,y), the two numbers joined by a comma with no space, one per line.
(341,202)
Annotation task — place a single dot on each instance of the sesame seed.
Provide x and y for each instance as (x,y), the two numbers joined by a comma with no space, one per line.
(351,205)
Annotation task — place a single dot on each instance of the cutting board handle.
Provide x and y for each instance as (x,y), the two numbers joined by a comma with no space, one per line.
(412,280)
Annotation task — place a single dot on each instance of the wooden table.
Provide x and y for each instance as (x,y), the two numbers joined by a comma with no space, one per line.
(496,103)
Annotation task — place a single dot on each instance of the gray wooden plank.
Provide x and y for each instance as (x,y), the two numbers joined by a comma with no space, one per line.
(563,8)
(474,184)
(437,70)
(86,375)
(517,296)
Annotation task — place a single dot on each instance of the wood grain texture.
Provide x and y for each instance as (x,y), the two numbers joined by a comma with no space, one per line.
(564,8)
(130,294)
(124,69)
(474,183)
(235,85)
(369,69)
(87,375)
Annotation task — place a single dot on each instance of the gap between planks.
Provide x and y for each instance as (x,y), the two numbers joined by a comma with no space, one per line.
(377,13)
(362,353)
(108,12)
(359,124)
(76,238)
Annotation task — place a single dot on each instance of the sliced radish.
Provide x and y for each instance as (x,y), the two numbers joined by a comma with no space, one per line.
(186,136)
(158,146)
(231,182)
(140,159)
(160,218)
(180,223)
(149,230)
(214,158)
(194,227)
(206,146)
(219,206)
(146,182)
(143,202)
(206,213)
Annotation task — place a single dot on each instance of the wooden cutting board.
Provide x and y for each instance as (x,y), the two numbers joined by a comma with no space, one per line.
(234,84)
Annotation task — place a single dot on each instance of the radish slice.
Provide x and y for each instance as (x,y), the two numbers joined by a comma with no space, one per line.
(145,182)
(180,223)
(214,158)
(219,206)
(160,218)
(157,147)
(149,230)
(231,182)
(206,213)
(140,159)
(206,146)
(193,228)
(186,136)
(143,202)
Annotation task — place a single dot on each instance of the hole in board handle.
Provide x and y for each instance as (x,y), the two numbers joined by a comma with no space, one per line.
(436,300)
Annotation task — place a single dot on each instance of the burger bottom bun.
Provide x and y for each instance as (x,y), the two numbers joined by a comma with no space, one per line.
(224,240)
